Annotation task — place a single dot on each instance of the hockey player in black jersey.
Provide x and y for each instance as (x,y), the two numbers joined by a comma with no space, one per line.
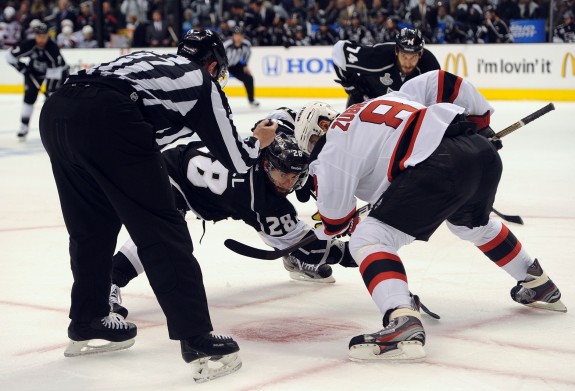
(367,72)
(45,63)
(258,197)
(103,131)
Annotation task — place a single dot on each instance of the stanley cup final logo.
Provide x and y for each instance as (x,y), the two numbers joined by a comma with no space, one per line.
(455,60)
(568,56)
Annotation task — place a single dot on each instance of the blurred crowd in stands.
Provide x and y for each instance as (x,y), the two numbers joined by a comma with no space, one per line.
(160,23)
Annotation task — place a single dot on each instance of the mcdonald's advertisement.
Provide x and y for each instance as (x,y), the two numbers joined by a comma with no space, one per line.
(534,71)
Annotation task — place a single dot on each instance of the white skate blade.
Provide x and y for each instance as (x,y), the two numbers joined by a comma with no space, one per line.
(558,306)
(407,351)
(225,365)
(305,278)
(83,348)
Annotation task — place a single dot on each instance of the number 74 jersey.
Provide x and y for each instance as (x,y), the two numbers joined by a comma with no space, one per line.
(205,187)
(372,142)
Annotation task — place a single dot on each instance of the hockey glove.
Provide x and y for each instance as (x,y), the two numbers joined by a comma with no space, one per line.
(489,134)
(352,223)
(339,253)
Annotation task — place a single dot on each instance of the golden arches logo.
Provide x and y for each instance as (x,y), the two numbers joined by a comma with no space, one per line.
(566,58)
(455,59)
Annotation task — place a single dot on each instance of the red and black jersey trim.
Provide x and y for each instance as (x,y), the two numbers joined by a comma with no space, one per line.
(405,144)
(482,121)
(503,248)
(337,226)
(448,86)
(381,266)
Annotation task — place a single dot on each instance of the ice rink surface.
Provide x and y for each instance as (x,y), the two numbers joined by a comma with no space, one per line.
(293,335)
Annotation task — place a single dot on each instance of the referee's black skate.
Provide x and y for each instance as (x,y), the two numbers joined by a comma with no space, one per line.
(206,349)
(115,302)
(401,339)
(308,272)
(116,333)
(538,291)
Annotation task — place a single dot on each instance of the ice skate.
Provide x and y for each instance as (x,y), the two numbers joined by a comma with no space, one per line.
(538,291)
(254,104)
(115,332)
(308,272)
(23,132)
(401,339)
(211,356)
(115,301)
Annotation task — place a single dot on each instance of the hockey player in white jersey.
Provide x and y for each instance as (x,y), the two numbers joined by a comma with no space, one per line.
(419,161)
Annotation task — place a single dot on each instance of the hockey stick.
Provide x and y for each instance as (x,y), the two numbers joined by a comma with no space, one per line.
(253,252)
(522,122)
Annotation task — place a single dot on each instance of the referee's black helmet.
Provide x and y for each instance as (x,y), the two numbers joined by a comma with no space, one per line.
(204,47)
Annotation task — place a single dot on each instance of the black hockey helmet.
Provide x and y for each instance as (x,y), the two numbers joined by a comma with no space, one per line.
(409,41)
(203,47)
(41,28)
(284,154)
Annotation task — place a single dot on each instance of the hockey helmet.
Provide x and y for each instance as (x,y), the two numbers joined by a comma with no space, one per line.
(204,47)
(307,124)
(41,29)
(9,13)
(409,41)
(284,156)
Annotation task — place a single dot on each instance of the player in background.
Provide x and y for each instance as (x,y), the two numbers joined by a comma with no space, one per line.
(45,63)
(371,71)
(565,32)
(419,161)
(258,197)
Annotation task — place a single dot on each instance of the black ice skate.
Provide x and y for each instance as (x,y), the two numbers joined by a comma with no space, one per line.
(307,272)
(538,291)
(115,301)
(113,329)
(219,350)
(401,339)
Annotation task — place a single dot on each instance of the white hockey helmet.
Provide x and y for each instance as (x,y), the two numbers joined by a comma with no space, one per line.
(9,13)
(307,124)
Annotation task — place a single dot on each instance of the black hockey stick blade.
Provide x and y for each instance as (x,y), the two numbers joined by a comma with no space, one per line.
(253,252)
(524,121)
(509,218)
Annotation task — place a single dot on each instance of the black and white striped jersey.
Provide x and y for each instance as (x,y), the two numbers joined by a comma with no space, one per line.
(238,54)
(180,98)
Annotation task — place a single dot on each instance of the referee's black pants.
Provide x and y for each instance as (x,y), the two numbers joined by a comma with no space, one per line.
(238,72)
(109,171)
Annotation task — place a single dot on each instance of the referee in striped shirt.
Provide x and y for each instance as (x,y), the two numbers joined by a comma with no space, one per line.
(238,51)
(103,131)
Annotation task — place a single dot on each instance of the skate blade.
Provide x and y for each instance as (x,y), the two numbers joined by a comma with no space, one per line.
(407,351)
(202,372)
(83,348)
(558,306)
(305,278)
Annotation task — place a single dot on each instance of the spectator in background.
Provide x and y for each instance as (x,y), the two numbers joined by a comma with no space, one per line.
(38,10)
(23,15)
(529,9)
(470,15)
(398,10)
(11,30)
(139,32)
(189,20)
(238,51)
(325,35)
(264,19)
(111,22)
(63,11)
(565,32)
(391,30)
(493,29)
(86,16)
(323,9)
(66,38)
(507,10)
(424,18)
(357,32)
(379,24)
(137,7)
(444,20)
(157,32)
(225,29)
(87,40)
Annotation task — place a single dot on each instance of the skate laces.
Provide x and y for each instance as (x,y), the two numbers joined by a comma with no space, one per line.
(307,266)
(115,295)
(114,321)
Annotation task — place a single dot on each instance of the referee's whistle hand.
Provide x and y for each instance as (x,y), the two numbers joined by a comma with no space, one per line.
(265,132)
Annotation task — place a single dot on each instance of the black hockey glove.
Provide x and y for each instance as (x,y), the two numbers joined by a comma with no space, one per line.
(304,193)
(489,134)
(339,253)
